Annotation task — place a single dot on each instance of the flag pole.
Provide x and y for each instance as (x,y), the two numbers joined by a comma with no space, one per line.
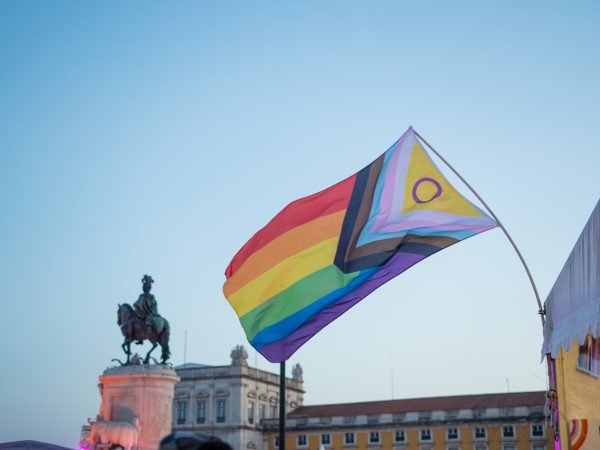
(282,405)
(535,291)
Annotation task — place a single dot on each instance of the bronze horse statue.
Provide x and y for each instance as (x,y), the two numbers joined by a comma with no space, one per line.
(134,328)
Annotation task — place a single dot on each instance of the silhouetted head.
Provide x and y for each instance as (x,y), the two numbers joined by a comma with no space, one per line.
(188,440)
(216,444)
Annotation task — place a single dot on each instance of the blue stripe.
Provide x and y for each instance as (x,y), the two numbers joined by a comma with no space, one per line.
(291,323)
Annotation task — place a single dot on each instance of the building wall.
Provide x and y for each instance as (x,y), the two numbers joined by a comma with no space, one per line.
(522,440)
(574,387)
(238,386)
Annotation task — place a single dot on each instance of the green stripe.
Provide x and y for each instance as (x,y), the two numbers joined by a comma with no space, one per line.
(294,298)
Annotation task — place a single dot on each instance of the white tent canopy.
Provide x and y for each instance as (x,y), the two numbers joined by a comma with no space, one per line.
(573,305)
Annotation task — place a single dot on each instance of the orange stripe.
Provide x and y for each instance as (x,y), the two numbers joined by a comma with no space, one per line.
(288,244)
(584,427)
(299,212)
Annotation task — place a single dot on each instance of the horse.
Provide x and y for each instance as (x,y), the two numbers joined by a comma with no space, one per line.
(156,329)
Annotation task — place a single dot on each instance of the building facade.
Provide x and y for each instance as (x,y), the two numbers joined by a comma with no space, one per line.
(232,402)
(577,377)
(240,405)
(508,421)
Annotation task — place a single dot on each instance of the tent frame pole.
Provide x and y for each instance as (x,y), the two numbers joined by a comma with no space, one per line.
(541,311)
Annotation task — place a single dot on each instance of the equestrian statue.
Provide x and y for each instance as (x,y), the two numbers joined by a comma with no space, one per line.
(142,321)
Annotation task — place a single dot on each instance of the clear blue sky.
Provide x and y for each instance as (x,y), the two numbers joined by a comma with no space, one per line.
(146,137)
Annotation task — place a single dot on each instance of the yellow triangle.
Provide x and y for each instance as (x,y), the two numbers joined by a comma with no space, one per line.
(427,189)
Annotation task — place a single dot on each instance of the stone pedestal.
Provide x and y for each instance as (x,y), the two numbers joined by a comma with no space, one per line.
(145,392)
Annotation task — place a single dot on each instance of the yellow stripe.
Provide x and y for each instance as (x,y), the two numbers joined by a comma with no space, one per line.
(283,275)
(282,247)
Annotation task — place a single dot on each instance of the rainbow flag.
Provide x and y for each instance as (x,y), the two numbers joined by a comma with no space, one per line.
(324,253)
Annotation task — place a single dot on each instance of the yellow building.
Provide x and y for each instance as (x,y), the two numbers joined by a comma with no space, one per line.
(578,386)
(571,342)
(508,421)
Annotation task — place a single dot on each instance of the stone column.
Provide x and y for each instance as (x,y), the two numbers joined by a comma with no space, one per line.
(145,392)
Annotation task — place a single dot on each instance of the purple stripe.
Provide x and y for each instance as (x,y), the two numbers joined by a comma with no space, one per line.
(281,350)
(414,225)
(393,176)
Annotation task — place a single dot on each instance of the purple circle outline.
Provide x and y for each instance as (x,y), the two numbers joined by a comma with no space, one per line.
(422,180)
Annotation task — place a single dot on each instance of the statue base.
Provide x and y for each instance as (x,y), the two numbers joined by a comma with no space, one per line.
(144,392)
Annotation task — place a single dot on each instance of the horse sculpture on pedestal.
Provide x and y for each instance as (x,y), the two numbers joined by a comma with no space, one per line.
(155,329)
(142,321)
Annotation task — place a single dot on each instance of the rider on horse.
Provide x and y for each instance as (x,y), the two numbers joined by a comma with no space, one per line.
(145,306)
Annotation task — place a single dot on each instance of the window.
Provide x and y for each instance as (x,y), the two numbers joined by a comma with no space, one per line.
(589,356)
(424,417)
(425,434)
(480,433)
(349,438)
(262,408)
(508,431)
(372,418)
(481,447)
(399,436)
(452,434)
(301,440)
(538,447)
(325,439)
(509,447)
(250,412)
(273,411)
(507,412)
(537,411)
(537,430)
(374,437)
(398,417)
(584,362)
(200,411)
(181,407)
(220,411)
(276,441)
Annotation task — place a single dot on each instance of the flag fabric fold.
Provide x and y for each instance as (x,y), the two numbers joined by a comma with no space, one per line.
(324,253)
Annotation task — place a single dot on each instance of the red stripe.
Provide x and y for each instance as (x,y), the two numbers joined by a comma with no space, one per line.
(330,200)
